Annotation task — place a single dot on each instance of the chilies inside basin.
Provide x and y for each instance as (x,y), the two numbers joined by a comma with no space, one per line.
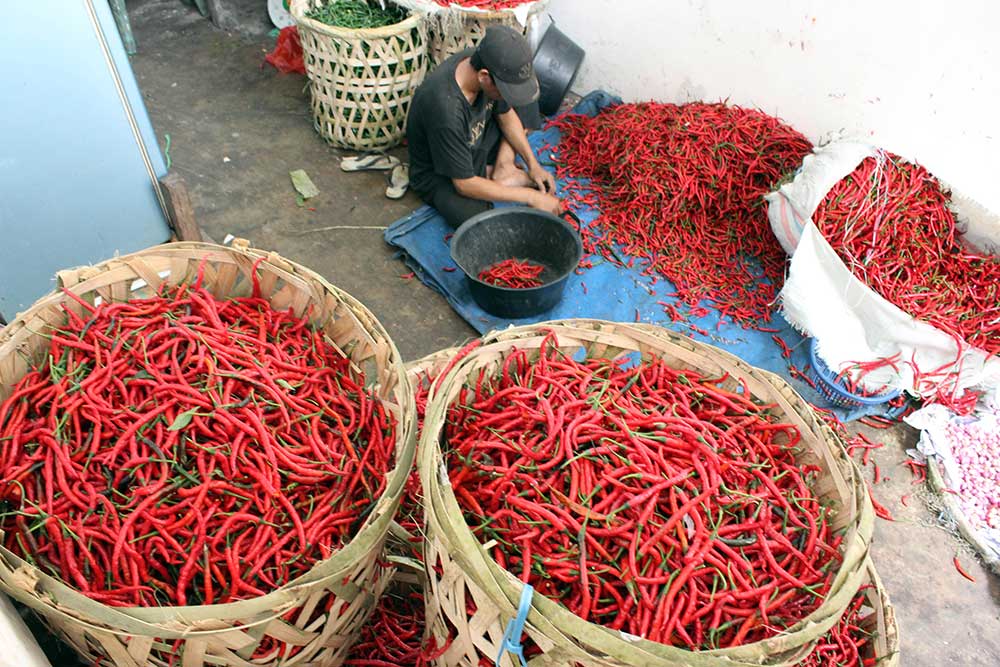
(517,233)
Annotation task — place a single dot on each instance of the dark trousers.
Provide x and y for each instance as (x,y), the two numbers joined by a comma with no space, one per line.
(456,208)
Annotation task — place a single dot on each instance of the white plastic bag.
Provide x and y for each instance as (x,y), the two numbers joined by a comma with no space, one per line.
(792,205)
(18,647)
(936,445)
(850,321)
(521,12)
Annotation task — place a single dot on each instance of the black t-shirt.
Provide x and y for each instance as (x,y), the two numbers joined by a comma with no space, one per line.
(448,137)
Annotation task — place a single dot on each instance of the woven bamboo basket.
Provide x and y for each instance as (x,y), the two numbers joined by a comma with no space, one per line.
(881,622)
(405,542)
(455,29)
(460,570)
(346,585)
(361,81)
(878,621)
(937,483)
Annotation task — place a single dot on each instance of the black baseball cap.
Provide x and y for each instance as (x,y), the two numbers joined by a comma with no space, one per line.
(505,53)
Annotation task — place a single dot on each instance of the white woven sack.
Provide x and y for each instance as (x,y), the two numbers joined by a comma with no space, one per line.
(851,322)
(520,12)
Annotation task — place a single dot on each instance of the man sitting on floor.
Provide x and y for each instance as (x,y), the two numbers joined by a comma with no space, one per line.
(464,133)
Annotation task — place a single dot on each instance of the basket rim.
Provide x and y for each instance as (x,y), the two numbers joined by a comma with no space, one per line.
(433,8)
(845,584)
(885,615)
(829,379)
(22,579)
(937,484)
(413,20)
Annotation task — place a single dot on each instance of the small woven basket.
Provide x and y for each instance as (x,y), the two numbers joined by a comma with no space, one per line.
(460,570)
(362,81)
(836,391)
(318,615)
(455,29)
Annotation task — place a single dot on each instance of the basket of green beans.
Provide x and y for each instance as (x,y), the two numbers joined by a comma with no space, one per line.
(357,14)
(364,62)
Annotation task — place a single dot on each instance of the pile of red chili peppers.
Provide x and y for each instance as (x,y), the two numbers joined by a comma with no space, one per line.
(393,636)
(854,443)
(890,223)
(490,5)
(848,643)
(643,498)
(513,273)
(680,187)
(180,450)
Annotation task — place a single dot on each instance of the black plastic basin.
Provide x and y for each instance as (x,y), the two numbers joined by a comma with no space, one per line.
(517,233)
(557,60)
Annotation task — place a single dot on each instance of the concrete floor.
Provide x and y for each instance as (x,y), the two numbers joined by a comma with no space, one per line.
(208,90)
(237,127)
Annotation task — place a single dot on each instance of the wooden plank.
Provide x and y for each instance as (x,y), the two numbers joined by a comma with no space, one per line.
(179,208)
(124,26)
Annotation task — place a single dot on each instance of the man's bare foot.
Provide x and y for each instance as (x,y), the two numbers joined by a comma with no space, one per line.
(512,176)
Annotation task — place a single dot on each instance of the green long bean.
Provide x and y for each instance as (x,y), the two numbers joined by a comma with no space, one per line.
(356,14)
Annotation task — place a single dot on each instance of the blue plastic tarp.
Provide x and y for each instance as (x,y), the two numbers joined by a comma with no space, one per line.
(607,291)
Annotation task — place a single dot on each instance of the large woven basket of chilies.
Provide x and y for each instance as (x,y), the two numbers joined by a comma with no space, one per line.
(202,449)
(457,28)
(361,80)
(668,504)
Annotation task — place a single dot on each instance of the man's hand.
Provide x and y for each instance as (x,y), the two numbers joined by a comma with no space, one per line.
(546,202)
(542,179)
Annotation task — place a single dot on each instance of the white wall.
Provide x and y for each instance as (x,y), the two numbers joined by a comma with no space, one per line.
(921,78)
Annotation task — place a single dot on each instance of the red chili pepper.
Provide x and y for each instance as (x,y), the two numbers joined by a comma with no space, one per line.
(880,510)
(179,449)
(394,635)
(795,372)
(848,642)
(853,442)
(514,274)
(786,351)
(891,222)
(961,570)
(680,187)
(611,490)
(918,469)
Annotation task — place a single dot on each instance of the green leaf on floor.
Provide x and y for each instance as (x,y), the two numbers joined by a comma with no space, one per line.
(303,184)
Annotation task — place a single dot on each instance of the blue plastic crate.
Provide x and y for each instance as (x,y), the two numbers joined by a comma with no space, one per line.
(836,391)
